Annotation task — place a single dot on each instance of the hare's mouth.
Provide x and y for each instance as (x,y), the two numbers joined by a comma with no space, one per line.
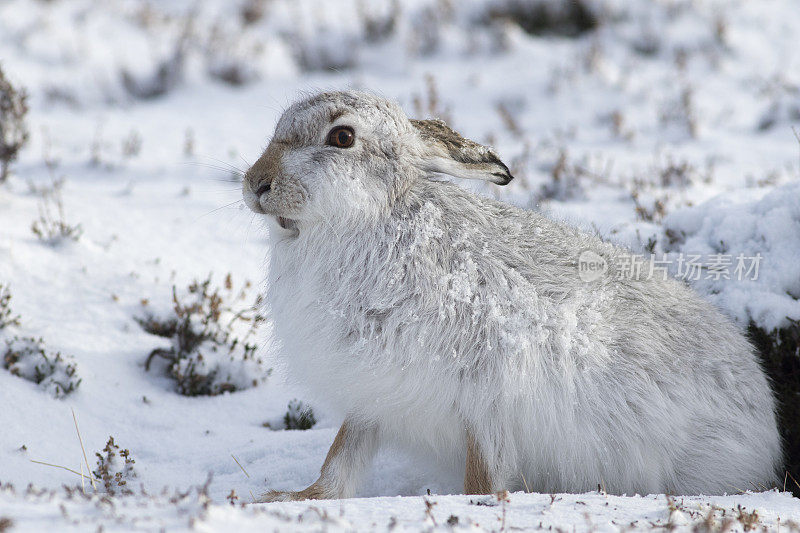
(287,223)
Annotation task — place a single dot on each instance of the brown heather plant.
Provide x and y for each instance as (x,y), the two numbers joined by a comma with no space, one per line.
(168,73)
(115,469)
(713,519)
(430,105)
(54,187)
(378,28)
(566,176)
(26,357)
(202,325)
(252,11)
(188,143)
(749,520)
(652,213)
(52,227)
(7,316)
(132,144)
(676,174)
(13,131)
(568,18)
(681,113)
(509,121)
(299,416)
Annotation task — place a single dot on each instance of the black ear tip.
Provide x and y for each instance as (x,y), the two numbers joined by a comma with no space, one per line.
(502,178)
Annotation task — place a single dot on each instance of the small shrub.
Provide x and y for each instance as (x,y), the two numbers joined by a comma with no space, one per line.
(188,143)
(327,49)
(299,416)
(784,106)
(378,28)
(655,212)
(168,73)
(679,115)
(509,118)
(680,174)
(253,11)
(13,131)
(565,181)
(426,29)
(5,524)
(232,71)
(431,104)
(569,18)
(7,316)
(26,357)
(212,351)
(52,188)
(132,144)
(749,520)
(52,227)
(115,469)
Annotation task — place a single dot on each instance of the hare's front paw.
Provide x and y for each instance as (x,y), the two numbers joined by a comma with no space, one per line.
(280,496)
(317,491)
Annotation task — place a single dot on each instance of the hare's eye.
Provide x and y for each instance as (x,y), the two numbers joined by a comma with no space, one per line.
(341,137)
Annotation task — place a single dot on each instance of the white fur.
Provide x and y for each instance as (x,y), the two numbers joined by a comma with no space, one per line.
(420,308)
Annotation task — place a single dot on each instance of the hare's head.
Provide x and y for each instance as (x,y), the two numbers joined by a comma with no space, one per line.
(352,155)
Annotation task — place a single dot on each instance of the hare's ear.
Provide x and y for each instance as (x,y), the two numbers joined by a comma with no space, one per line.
(447,152)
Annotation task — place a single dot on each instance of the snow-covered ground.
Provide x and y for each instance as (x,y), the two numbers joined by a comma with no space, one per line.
(668,128)
(769,511)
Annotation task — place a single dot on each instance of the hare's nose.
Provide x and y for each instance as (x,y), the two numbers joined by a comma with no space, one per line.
(264,187)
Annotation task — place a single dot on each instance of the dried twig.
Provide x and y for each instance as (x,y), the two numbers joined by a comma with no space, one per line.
(75,419)
(63,468)
(246,474)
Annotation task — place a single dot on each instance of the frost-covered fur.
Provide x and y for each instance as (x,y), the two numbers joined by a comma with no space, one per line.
(427,312)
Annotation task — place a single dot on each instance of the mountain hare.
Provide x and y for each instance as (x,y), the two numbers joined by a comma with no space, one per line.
(462,327)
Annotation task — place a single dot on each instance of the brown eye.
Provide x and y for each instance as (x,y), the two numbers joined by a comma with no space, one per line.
(341,137)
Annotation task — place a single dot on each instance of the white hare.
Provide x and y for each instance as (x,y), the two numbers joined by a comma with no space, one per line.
(460,326)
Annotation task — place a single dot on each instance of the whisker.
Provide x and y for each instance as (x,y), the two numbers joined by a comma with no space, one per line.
(235,187)
(219,209)
(215,167)
(233,171)
(227,164)
(249,227)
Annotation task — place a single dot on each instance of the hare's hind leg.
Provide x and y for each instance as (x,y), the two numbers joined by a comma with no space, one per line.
(477,479)
(349,455)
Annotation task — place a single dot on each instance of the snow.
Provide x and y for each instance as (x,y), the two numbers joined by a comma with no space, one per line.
(733,225)
(688,104)
(596,511)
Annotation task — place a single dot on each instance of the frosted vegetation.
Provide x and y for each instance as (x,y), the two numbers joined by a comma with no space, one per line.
(212,344)
(26,357)
(670,126)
